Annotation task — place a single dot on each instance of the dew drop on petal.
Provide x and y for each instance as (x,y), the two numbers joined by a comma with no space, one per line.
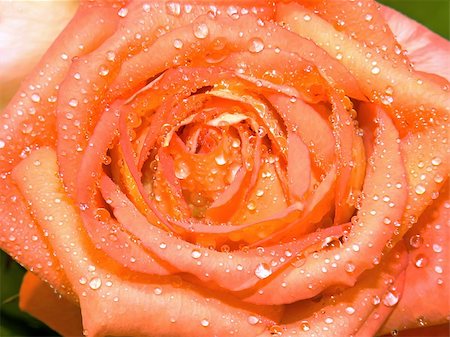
(196,254)
(123,12)
(390,299)
(204,322)
(256,45)
(415,241)
(375,70)
(73,102)
(437,248)
(157,291)
(201,31)
(436,161)
(178,44)
(349,267)
(421,261)
(420,189)
(350,310)
(304,325)
(252,320)
(95,283)
(103,70)
(35,98)
(263,270)
(376,300)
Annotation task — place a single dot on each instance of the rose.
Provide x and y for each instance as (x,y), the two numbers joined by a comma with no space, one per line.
(241,93)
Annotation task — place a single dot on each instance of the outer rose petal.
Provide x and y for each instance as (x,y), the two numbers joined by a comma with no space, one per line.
(427,50)
(425,300)
(27,28)
(41,301)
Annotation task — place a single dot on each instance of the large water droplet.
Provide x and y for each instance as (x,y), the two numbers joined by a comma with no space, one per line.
(95,283)
(263,270)
(201,31)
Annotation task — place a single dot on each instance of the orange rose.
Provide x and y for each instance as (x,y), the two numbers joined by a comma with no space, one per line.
(180,169)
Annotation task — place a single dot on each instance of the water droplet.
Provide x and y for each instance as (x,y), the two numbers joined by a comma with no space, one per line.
(307,17)
(103,70)
(73,102)
(157,291)
(415,241)
(420,189)
(421,261)
(82,280)
(173,8)
(251,206)
(438,269)
(201,31)
(350,310)
(111,55)
(421,321)
(95,283)
(182,170)
(355,247)
(252,320)
(390,299)
(376,300)
(178,44)
(64,56)
(220,160)
(329,320)
(438,178)
(375,70)
(349,267)
(305,326)
(163,245)
(196,254)
(259,193)
(436,161)
(35,98)
(204,322)
(263,270)
(123,12)
(437,248)
(256,45)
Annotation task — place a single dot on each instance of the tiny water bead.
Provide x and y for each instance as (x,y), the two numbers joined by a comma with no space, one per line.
(204,322)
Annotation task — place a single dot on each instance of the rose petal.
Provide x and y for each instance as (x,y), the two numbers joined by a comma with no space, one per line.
(40,300)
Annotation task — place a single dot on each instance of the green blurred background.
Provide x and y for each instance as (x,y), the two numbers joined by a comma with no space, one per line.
(432,13)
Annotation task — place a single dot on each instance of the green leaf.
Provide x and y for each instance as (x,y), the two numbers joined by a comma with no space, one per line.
(432,13)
